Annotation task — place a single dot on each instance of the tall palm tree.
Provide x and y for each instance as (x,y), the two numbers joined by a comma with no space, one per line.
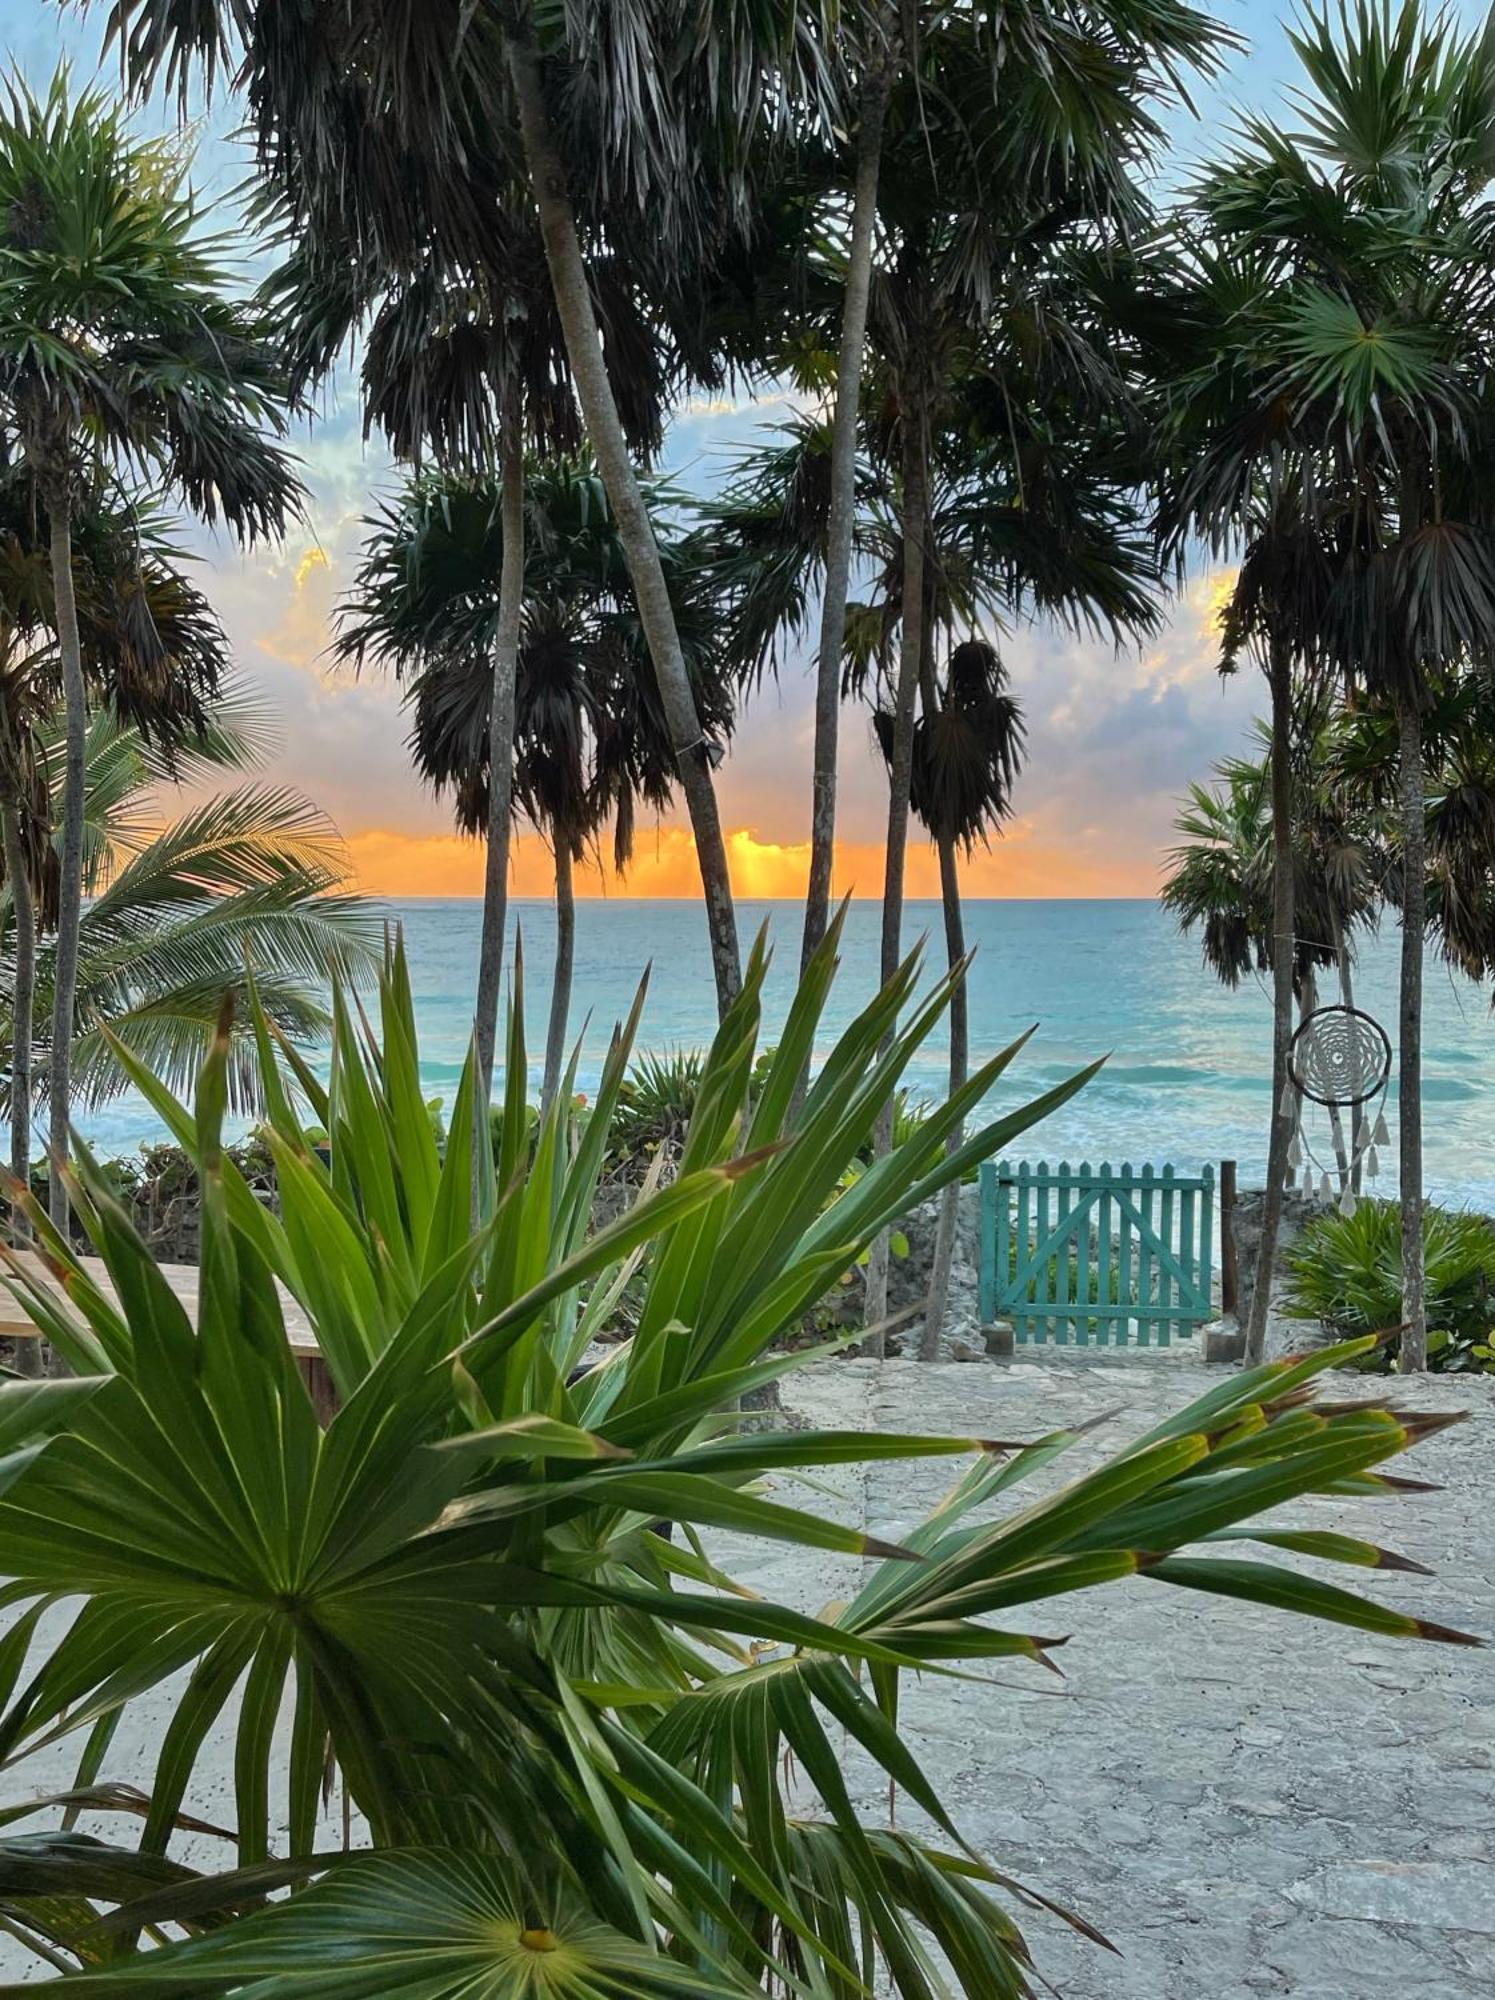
(1033,512)
(1222,876)
(153,653)
(247,882)
(591,741)
(117,343)
(967,753)
(1459,751)
(1071,66)
(413,124)
(460,367)
(1358,355)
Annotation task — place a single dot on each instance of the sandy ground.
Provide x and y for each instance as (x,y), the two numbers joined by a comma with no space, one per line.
(1246,1803)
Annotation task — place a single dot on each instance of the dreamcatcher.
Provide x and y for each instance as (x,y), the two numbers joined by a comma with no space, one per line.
(1340,1058)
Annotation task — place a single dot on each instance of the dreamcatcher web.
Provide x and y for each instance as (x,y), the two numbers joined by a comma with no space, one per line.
(1340,1059)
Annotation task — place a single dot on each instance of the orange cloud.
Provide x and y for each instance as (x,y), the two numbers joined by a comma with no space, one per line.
(387,862)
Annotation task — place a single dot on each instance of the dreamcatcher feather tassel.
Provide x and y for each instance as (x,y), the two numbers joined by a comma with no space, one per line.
(1380,1137)
(1287,1104)
(1295,1153)
(1372,1164)
(1326,1193)
(1348,1202)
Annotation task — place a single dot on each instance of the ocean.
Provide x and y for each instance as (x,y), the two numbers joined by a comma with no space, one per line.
(1187,1073)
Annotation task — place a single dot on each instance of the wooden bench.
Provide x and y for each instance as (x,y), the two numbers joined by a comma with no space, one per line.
(184,1279)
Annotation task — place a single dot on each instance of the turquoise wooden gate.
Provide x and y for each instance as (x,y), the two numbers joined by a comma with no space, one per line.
(1091,1256)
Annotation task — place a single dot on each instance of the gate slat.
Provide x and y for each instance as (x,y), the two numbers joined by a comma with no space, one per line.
(1024,1325)
(1147,1204)
(1063,1206)
(1124,1255)
(1103,1253)
(1188,1245)
(1043,1291)
(1084,1262)
(1169,1291)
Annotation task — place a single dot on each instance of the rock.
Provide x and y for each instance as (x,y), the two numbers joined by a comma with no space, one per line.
(1443,1895)
(1001,1339)
(962,1350)
(1224,1340)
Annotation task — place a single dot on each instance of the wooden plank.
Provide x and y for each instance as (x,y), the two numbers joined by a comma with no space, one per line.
(1103,1251)
(1124,1213)
(1188,1243)
(1229,1270)
(1204,1266)
(1037,1218)
(1060,1290)
(184,1279)
(1146,1198)
(1084,1260)
(990,1242)
(1169,1290)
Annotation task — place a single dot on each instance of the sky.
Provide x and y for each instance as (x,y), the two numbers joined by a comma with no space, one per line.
(1114,737)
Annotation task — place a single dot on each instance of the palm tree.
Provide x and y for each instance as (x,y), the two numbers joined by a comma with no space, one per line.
(1032,512)
(967,753)
(247,883)
(153,653)
(1358,351)
(1459,750)
(412,127)
(460,368)
(1048,59)
(1222,877)
(591,739)
(116,343)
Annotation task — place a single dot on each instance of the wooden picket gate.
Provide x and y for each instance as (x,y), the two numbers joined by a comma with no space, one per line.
(1090,1256)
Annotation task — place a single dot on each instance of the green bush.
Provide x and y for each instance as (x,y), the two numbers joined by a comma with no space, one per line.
(571,1740)
(1346,1270)
(656,1102)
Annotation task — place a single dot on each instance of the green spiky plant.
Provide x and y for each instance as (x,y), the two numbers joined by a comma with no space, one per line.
(566,1734)
(1346,1270)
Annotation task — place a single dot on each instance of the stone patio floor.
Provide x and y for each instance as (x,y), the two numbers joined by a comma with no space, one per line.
(1246,1803)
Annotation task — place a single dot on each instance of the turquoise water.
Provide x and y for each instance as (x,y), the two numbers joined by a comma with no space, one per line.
(1187,1073)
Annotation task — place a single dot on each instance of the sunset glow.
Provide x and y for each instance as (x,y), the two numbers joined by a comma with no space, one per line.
(388,862)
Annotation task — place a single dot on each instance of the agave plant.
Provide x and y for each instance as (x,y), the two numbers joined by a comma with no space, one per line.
(566,1734)
(1346,1270)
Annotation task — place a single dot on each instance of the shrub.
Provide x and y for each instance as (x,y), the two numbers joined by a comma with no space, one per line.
(570,1739)
(1346,1270)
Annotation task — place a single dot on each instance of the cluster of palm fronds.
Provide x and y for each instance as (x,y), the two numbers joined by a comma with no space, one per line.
(250,879)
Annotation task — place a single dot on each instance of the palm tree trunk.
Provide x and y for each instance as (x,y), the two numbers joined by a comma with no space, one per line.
(1283,944)
(960,1056)
(560,985)
(900,773)
(500,764)
(843,506)
(573,298)
(70,893)
(23,1002)
(1414,1358)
